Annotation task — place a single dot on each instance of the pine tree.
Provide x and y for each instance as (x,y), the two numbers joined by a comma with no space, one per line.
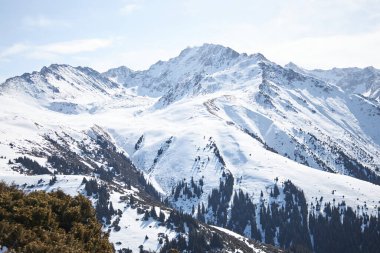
(276,191)
(153,213)
(161,217)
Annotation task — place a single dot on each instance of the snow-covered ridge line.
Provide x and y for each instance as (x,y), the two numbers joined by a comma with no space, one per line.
(364,81)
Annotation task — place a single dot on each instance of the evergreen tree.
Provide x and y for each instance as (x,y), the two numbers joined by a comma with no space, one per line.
(49,222)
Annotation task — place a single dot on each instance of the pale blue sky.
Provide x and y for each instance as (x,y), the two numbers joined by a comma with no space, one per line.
(105,34)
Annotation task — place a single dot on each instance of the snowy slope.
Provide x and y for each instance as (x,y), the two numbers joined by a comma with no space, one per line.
(331,124)
(364,81)
(245,157)
(134,231)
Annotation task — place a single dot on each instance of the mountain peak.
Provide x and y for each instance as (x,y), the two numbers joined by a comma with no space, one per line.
(259,57)
(55,67)
(183,71)
(206,58)
(62,81)
(121,68)
(370,69)
(209,51)
(192,63)
(291,65)
(120,75)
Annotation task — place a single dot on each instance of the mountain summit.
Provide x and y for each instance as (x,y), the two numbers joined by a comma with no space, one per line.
(61,81)
(191,64)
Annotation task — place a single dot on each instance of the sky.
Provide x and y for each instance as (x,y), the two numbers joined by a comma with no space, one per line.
(137,33)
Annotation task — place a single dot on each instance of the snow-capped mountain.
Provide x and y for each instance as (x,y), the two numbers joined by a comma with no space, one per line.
(214,132)
(119,75)
(63,82)
(296,105)
(189,66)
(364,81)
(65,89)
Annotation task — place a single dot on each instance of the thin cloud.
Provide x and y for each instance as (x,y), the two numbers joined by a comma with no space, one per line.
(44,22)
(129,8)
(75,46)
(53,50)
(13,50)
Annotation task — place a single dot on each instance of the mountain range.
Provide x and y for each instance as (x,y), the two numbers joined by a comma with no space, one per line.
(236,151)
